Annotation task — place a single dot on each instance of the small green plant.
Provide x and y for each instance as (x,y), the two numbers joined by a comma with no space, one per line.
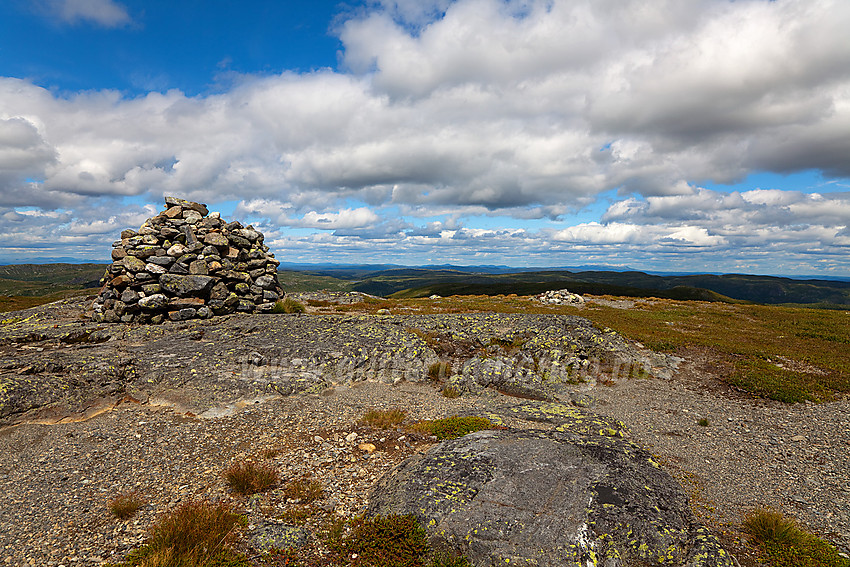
(386,541)
(439,370)
(450,392)
(784,544)
(125,505)
(197,534)
(304,489)
(247,477)
(703,422)
(384,419)
(453,427)
(288,305)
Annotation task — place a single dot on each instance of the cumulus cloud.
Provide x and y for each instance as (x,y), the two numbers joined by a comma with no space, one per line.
(527,109)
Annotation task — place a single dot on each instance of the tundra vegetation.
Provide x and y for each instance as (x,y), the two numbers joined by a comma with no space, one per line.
(789,354)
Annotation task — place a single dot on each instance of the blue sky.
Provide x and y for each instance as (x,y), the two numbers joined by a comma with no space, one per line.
(659,135)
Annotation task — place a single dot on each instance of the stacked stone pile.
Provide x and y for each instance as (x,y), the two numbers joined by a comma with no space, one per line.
(187,263)
(560,297)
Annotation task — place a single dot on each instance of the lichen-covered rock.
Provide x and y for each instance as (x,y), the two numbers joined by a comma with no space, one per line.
(269,537)
(183,254)
(556,498)
(560,297)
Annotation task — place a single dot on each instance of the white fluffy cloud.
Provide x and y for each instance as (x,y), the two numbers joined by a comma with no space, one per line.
(522,108)
(106,13)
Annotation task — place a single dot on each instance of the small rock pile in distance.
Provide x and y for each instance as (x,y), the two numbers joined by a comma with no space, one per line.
(560,297)
(187,263)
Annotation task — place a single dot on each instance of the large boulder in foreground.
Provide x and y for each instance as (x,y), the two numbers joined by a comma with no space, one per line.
(554,498)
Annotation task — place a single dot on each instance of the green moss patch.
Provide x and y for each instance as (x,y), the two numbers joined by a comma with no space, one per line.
(454,427)
(386,541)
(784,544)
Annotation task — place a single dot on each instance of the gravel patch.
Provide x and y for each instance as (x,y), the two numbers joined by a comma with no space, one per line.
(56,479)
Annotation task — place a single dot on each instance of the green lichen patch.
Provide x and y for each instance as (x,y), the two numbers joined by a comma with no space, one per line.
(569,419)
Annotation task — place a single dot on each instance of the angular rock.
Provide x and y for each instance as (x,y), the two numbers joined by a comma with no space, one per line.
(199,267)
(219,291)
(161,260)
(248,234)
(239,242)
(177,250)
(133,264)
(185,303)
(270,537)
(175,202)
(265,282)
(186,285)
(192,217)
(189,236)
(216,239)
(173,212)
(178,268)
(120,281)
(183,314)
(152,268)
(155,301)
(129,296)
(151,289)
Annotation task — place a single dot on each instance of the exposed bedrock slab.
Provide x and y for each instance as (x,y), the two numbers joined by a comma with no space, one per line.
(206,362)
(554,498)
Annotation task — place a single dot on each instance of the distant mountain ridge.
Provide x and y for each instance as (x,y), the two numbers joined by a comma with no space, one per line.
(422,281)
(404,281)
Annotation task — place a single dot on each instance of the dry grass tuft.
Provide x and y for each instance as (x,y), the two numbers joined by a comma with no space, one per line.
(125,505)
(288,305)
(194,535)
(450,392)
(384,419)
(304,489)
(439,371)
(247,477)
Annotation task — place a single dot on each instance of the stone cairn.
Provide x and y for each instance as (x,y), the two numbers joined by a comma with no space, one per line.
(187,263)
(560,297)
